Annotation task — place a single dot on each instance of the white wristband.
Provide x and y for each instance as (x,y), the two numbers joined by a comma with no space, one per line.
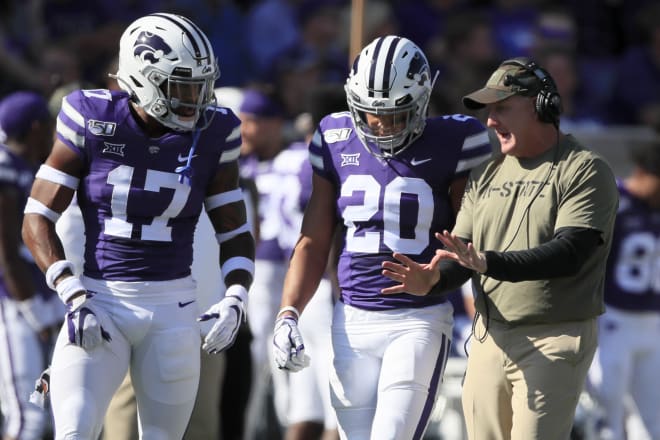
(55,270)
(289,309)
(239,292)
(68,287)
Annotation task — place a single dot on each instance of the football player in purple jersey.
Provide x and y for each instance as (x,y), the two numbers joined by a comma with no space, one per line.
(143,162)
(388,176)
(628,357)
(30,313)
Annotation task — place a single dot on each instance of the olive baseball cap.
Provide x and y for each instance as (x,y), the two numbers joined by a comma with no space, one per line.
(498,87)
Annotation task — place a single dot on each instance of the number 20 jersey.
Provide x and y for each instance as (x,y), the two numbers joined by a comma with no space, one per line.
(394,204)
(632,280)
(139,218)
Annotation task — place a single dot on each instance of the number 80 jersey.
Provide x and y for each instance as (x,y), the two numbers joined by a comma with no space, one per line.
(632,279)
(394,204)
(139,218)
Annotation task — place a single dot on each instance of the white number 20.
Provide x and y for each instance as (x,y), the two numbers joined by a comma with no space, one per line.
(391,194)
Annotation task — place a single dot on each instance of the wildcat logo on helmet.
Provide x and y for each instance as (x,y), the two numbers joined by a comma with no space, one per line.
(150,47)
(418,70)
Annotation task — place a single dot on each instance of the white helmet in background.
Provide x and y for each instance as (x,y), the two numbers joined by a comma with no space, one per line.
(167,64)
(390,76)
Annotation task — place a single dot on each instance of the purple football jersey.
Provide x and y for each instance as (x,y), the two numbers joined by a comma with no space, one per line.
(395,204)
(632,280)
(298,183)
(17,175)
(139,218)
(279,198)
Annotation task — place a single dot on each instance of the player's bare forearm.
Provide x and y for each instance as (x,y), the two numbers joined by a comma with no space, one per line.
(306,269)
(41,239)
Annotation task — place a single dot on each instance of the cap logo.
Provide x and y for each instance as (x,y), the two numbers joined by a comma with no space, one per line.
(150,47)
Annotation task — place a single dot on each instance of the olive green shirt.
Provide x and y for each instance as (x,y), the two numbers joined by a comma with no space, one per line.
(515,204)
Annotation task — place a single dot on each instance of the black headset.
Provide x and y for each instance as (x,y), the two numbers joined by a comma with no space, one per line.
(535,80)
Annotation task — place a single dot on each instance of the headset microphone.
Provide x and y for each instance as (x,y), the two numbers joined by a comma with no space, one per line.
(509,80)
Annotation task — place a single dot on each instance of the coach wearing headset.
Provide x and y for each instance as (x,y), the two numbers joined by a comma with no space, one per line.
(533,232)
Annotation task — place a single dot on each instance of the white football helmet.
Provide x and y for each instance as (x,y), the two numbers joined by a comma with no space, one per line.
(167,64)
(390,76)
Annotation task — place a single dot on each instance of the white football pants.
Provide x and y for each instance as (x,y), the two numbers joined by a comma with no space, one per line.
(154,332)
(387,369)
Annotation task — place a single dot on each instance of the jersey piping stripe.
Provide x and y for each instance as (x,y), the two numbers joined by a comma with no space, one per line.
(188,33)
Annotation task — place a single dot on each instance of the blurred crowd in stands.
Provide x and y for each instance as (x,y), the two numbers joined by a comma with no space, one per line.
(604,54)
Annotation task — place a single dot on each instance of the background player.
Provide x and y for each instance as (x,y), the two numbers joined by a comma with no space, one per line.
(144,162)
(309,412)
(390,177)
(628,357)
(29,311)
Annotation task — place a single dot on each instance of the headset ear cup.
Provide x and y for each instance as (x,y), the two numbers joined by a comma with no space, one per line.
(554,105)
(548,106)
(539,106)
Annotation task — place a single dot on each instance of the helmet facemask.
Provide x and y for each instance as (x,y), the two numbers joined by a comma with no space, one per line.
(404,123)
(185,99)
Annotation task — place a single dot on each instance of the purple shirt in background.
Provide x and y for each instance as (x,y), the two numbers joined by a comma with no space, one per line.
(632,280)
(17,175)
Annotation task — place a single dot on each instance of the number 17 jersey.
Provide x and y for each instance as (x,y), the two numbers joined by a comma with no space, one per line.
(393,204)
(139,216)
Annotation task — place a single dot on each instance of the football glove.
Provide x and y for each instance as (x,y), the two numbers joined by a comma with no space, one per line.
(82,318)
(288,346)
(41,389)
(229,314)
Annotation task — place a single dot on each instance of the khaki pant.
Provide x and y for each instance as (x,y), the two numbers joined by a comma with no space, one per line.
(523,382)
(121,418)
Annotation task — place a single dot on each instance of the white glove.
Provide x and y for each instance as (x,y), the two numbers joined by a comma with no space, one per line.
(82,318)
(229,313)
(288,346)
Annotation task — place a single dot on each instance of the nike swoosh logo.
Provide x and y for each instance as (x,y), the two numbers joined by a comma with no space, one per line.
(187,303)
(414,162)
(184,158)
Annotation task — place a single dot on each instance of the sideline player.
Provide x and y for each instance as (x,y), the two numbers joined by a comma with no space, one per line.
(30,312)
(628,357)
(144,162)
(389,176)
